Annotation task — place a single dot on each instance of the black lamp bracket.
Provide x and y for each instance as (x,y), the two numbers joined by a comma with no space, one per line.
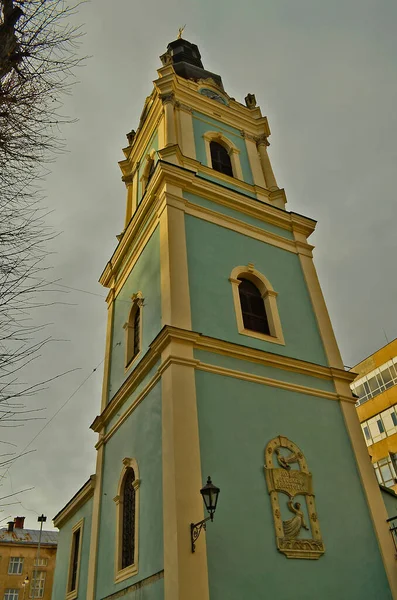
(195,530)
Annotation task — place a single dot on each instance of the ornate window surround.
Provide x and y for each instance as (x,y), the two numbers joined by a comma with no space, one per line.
(119,573)
(137,304)
(234,152)
(149,160)
(269,296)
(72,594)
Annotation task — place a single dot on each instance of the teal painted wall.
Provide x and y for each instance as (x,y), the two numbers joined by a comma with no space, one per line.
(152,145)
(200,127)
(144,277)
(63,553)
(264,371)
(139,438)
(236,421)
(213,252)
(225,210)
(153,591)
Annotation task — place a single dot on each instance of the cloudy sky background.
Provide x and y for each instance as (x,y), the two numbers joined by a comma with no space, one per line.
(325,75)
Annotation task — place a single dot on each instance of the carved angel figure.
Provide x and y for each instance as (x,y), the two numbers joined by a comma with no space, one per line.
(293,526)
(285,461)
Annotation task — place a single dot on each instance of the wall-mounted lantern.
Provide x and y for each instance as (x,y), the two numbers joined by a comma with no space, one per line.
(210,495)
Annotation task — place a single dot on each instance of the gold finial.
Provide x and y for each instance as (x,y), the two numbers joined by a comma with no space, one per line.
(180,31)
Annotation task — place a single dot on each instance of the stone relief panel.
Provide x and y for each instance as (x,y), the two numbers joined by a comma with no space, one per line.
(290,487)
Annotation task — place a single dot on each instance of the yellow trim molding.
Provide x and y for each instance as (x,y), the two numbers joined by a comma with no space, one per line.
(78,500)
(121,574)
(269,297)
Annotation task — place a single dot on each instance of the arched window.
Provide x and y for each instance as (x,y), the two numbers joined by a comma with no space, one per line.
(133,330)
(128,535)
(127,505)
(253,307)
(220,159)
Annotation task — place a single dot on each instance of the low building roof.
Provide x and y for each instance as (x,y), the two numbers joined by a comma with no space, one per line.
(28,536)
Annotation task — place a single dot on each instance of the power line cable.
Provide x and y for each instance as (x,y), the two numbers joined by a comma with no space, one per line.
(56,413)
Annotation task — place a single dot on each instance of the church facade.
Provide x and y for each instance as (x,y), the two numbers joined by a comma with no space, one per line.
(220,361)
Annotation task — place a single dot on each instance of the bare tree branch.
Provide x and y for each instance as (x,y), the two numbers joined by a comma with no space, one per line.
(38,58)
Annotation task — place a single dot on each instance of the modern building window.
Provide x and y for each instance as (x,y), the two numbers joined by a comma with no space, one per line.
(37,586)
(367,433)
(74,561)
(376,382)
(385,471)
(133,330)
(220,159)
(15,565)
(127,501)
(380,426)
(11,594)
(253,307)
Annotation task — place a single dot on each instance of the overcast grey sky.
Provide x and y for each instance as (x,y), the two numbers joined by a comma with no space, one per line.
(325,75)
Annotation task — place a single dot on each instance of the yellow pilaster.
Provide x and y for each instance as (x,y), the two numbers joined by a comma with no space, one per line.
(370,484)
(96,506)
(96,510)
(131,183)
(365,469)
(271,183)
(169,116)
(175,297)
(186,132)
(185,573)
(108,349)
(255,163)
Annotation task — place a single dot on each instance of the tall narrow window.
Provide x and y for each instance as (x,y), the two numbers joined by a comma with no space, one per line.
(253,307)
(128,536)
(75,560)
(220,159)
(127,509)
(74,564)
(137,337)
(133,330)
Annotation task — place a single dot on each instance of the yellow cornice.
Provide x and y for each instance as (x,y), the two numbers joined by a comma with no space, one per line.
(234,114)
(150,207)
(75,503)
(199,342)
(142,137)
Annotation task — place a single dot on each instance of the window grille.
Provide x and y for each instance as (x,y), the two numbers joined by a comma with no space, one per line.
(220,159)
(128,535)
(253,307)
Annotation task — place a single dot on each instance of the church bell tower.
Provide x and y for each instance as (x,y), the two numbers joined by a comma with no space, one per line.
(221,361)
